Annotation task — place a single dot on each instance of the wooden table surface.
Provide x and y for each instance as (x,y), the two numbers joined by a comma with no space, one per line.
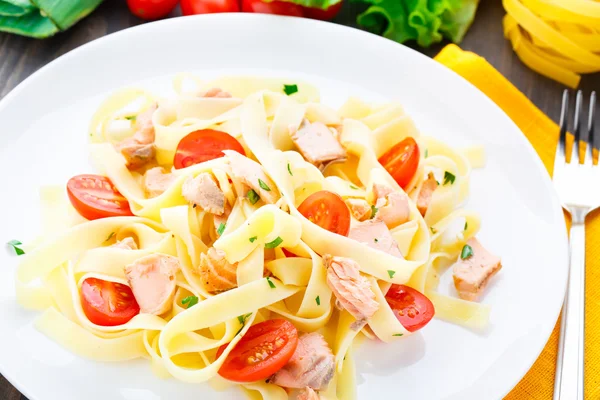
(20,57)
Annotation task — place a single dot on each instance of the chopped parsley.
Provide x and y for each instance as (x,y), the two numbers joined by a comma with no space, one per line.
(263,185)
(110,236)
(252,239)
(194,206)
(466,225)
(221,228)
(274,243)
(353,187)
(391,273)
(426,153)
(398,334)
(376,240)
(318,300)
(373,211)
(271,284)
(14,244)
(467,252)
(433,230)
(252,196)
(190,301)
(242,319)
(290,170)
(448,178)
(290,89)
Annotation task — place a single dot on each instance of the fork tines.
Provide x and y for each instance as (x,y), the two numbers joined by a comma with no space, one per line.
(588,141)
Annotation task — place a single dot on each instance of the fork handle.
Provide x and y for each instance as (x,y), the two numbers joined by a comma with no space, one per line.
(569,378)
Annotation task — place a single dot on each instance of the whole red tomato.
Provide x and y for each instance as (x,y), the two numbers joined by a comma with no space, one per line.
(192,7)
(151,9)
(324,15)
(272,7)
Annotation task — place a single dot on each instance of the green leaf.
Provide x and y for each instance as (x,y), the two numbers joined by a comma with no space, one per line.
(467,252)
(466,225)
(190,301)
(11,10)
(391,273)
(14,244)
(32,24)
(131,117)
(271,245)
(252,239)
(263,185)
(433,230)
(271,284)
(426,153)
(290,170)
(242,318)
(373,211)
(398,334)
(110,236)
(252,196)
(318,300)
(353,187)
(290,89)
(449,178)
(376,240)
(221,228)
(426,21)
(66,13)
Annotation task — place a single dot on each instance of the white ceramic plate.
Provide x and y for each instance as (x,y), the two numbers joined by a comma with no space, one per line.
(43,125)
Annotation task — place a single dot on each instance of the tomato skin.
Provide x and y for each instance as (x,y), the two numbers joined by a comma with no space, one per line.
(108,303)
(412,308)
(402,161)
(277,338)
(328,210)
(151,9)
(272,7)
(204,145)
(323,15)
(193,7)
(94,197)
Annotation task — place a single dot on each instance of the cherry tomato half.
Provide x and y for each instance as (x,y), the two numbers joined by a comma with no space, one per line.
(272,7)
(412,308)
(327,210)
(108,303)
(264,350)
(402,161)
(94,197)
(323,15)
(151,9)
(192,7)
(204,145)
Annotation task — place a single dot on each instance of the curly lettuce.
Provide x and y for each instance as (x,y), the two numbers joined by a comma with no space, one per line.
(426,21)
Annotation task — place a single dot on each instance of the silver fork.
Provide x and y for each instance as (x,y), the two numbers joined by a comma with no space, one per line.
(577,186)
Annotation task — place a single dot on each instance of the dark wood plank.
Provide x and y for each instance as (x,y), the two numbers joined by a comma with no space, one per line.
(20,57)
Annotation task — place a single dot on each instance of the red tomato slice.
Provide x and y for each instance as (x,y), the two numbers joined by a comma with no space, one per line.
(204,145)
(288,253)
(412,308)
(402,161)
(108,303)
(327,210)
(263,350)
(272,7)
(323,15)
(192,7)
(151,9)
(94,197)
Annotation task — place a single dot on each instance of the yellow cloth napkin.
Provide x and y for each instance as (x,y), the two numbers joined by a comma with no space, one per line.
(542,132)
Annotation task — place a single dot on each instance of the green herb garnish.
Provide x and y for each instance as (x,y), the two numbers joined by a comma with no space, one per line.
(110,236)
(449,178)
(466,225)
(14,244)
(467,252)
(131,117)
(426,153)
(263,185)
(242,319)
(290,170)
(274,243)
(190,301)
(376,240)
(290,89)
(353,187)
(271,284)
(252,196)
(391,273)
(252,239)
(221,228)
(433,230)
(398,334)
(373,211)
(318,300)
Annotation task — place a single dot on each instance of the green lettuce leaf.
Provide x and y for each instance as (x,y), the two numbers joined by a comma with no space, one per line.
(426,21)
(322,4)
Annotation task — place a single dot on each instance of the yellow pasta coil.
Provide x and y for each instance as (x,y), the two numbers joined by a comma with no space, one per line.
(559,39)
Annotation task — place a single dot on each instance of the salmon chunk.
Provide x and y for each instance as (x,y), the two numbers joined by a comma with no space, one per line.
(215,93)
(312,365)
(152,280)
(360,209)
(204,192)
(392,206)
(472,274)
(217,274)
(157,181)
(252,174)
(139,149)
(307,394)
(375,234)
(426,193)
(317,143)
(352,290)
(126,244)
